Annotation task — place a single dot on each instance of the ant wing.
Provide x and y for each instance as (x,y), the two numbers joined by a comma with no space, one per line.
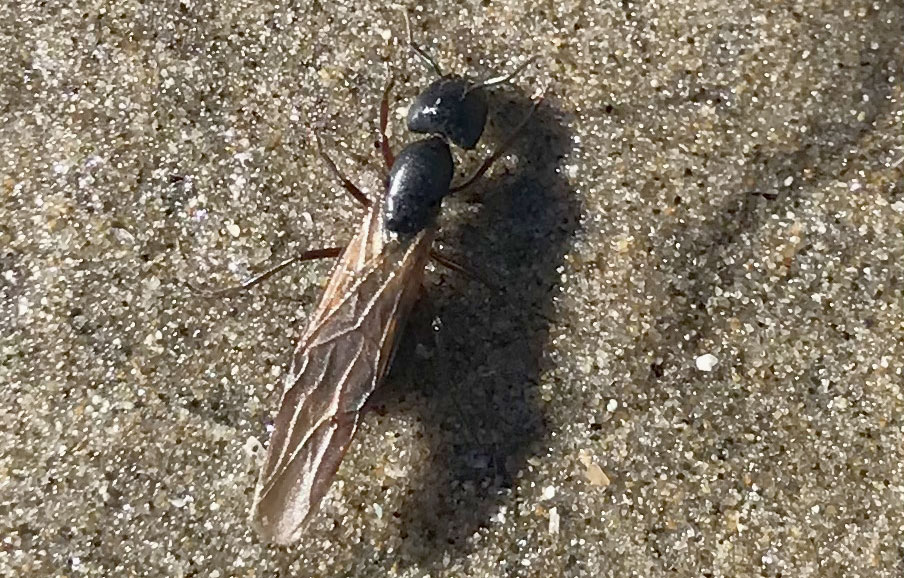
(342,357)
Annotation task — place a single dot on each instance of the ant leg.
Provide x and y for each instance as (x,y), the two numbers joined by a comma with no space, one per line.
(502,79)
(499,152)
(385,147)
(420,52)
(310,255)
(349,186)
(448,263)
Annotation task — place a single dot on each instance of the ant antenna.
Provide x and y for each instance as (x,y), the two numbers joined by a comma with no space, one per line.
(496,80)
(418,50)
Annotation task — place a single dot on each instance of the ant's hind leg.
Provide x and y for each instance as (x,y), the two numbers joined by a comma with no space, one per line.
(453,265)
(310,255)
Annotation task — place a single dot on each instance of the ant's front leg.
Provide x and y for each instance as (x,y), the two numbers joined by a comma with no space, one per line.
(385,147)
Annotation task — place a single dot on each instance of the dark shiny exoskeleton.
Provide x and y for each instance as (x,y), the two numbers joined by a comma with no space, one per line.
(419,179)
(451,107)
(452,110)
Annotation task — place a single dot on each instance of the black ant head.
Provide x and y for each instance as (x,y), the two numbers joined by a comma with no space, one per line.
(451,107)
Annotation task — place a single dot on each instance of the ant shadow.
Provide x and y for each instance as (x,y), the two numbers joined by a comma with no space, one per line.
(476,388)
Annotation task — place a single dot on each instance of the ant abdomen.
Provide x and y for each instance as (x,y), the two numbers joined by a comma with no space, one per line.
(418,181)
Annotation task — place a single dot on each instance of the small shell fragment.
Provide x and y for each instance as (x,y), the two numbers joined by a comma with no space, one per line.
(554,521)
(706,362)
(596,476)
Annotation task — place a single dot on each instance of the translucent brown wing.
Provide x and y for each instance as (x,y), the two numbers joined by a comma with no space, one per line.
(341,358)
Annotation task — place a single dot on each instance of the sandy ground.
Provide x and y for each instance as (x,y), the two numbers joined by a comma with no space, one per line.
(695,368)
